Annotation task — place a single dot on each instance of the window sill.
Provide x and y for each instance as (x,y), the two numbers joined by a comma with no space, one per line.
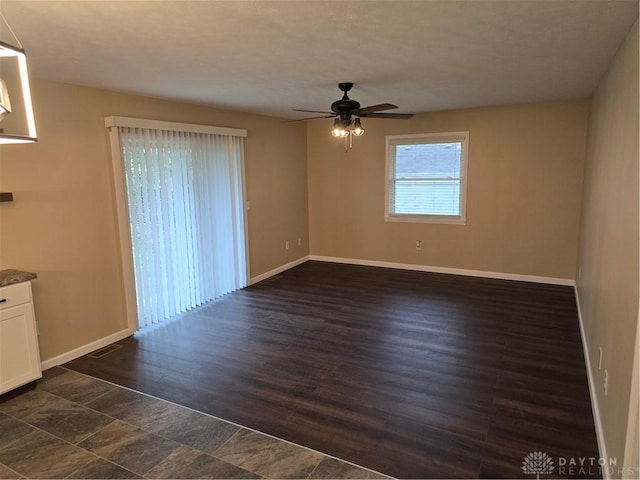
(426,219)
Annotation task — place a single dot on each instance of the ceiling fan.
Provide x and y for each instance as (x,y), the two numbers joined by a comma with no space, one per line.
(345,109)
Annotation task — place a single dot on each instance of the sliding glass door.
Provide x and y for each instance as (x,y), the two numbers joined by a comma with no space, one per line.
(184,192)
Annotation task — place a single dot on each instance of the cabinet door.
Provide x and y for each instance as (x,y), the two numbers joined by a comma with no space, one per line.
(19,356)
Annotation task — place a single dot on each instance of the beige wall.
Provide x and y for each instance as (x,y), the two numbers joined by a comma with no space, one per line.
(608,253)
(523,199)
(62,224)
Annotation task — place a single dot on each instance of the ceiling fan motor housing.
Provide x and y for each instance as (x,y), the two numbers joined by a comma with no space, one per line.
(345,105)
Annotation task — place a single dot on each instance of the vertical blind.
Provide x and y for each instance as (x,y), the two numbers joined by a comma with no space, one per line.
(186,214)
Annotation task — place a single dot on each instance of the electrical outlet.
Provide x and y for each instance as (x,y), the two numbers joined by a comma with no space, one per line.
(599,358)
(299,241)
(418,244)
(579,273)
(606,381)
(286,245)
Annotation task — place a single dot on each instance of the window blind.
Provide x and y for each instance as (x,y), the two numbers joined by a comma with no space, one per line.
(186,213)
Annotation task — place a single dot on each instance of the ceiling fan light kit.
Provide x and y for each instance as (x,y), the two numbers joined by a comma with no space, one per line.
(347,113)
(340,128)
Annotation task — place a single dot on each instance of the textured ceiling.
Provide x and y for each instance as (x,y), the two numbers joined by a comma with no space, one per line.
(271,56)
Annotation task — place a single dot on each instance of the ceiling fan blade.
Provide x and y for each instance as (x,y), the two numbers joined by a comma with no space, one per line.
(375,108)
(311,111)
(397,116)
(309,118)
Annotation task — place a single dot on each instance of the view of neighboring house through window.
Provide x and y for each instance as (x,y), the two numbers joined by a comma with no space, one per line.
(426,177)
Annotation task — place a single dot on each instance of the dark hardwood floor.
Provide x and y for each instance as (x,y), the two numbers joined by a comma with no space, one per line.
(416,375)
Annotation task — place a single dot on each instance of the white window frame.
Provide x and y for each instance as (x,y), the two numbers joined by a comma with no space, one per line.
(391,142)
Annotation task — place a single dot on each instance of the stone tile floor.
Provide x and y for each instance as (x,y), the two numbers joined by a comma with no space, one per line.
(76,426)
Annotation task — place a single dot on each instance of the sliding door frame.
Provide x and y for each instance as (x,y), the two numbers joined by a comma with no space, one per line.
(122,204)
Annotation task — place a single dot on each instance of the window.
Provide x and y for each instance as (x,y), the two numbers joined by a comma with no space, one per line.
(426,178)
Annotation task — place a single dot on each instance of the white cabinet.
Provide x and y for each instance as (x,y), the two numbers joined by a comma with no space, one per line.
(19,355)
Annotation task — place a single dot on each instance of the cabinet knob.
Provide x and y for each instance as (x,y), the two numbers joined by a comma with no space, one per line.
(2,300)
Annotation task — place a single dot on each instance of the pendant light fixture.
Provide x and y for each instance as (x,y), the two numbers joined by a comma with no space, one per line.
(16,108)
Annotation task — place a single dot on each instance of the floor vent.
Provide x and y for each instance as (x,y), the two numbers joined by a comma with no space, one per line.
(101,352)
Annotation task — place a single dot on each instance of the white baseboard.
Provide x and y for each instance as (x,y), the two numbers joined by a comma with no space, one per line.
(103,342)
(280,269)
(83,350)
(602,448)
(451,271)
